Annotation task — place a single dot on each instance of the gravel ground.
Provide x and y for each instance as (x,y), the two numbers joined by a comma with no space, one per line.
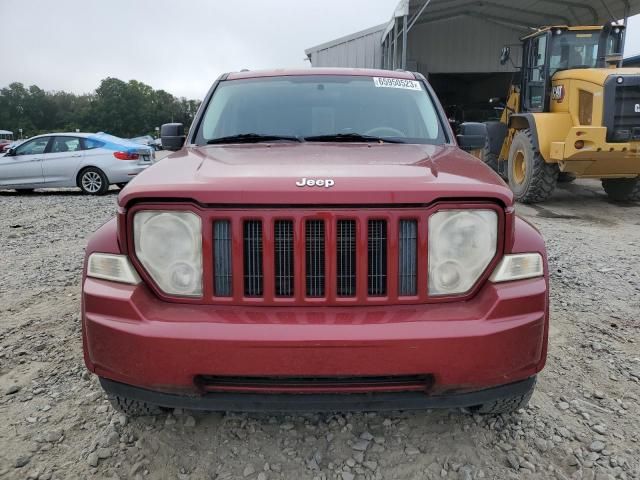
(583,421)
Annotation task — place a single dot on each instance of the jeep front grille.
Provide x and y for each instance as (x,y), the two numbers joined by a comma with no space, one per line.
(304,256)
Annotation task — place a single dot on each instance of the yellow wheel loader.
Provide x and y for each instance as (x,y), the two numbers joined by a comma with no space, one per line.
(574,113)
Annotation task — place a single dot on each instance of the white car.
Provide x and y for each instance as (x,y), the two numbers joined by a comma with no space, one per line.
(88,161)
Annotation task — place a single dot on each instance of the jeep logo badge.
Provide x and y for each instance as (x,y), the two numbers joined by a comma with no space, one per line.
(637,108)
(315,182)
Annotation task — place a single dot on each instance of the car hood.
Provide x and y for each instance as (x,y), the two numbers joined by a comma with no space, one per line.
(362,174)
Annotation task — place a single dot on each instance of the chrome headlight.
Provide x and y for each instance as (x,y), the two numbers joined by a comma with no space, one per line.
(169,246)
(461,246)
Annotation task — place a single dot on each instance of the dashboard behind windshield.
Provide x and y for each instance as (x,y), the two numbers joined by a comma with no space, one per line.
(316,105)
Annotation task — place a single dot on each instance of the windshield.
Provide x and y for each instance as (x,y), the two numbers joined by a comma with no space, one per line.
(349,108)
(577,49)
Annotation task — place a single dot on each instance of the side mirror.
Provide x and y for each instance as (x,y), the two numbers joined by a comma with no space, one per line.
(172,136)
(472,136)
(10,152)
(505,55)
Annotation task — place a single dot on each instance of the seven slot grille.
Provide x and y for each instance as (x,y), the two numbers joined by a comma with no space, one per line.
(315,258)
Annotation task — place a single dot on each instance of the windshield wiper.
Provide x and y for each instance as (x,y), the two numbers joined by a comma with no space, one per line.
(350,137)
(253,138)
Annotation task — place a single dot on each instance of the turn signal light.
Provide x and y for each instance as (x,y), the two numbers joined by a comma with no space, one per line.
(579,144)
(126,155)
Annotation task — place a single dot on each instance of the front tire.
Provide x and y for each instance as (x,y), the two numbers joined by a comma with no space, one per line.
(490,159)
(133,408)
(506,405)
(93,181)
(622,189)
(497,132)
(531,179)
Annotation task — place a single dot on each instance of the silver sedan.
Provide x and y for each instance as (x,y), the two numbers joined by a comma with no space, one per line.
(88,161)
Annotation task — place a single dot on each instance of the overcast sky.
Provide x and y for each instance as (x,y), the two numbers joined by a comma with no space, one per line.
(178,45)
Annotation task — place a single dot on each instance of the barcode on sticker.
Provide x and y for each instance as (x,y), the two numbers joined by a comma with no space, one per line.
(396,83)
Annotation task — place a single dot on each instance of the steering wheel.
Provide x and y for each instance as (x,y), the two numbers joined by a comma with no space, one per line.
(384,132)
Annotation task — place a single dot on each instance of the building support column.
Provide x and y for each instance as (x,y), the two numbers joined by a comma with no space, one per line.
(405,23)
(395,43)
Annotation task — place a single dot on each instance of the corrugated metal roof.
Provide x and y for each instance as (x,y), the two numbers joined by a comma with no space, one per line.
(361,49)
(348,38)
(461,36)
(527,13)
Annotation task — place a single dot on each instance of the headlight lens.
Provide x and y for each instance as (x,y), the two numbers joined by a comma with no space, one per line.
(518,267)
(169,246)
(461,246)
(115,268)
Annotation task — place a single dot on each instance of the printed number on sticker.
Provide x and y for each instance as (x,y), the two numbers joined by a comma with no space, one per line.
(396,83)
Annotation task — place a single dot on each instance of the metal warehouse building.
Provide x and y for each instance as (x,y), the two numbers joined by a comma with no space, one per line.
(457,43)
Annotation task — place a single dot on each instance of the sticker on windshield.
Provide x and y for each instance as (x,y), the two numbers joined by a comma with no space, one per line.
(396,83)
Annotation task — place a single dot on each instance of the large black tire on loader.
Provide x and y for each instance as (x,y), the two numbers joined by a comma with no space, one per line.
(531,179)
(497,131)
(622,189)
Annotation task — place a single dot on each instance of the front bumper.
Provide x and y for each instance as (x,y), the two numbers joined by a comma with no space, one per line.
(362,402)
(597,158)
(131,337)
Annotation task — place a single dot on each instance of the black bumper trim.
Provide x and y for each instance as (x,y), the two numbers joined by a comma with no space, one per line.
(249,402)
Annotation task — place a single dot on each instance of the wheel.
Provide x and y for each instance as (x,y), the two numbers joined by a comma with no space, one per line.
(491,159)
(133,408)
(93,181)
(496,133)
(506,405)
(121,185)
(566,177)
(24,191)
(622,189)
(531,179)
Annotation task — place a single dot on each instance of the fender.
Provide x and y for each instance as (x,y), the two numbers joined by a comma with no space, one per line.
(104,240)
(527,239)
(545,128)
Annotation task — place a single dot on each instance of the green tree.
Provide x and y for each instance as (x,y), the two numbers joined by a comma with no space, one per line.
(121,108)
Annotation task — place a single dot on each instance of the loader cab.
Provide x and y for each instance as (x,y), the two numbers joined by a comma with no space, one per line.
(555,49)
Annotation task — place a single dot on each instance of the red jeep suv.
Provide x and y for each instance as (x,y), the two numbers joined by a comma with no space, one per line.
(318,241)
